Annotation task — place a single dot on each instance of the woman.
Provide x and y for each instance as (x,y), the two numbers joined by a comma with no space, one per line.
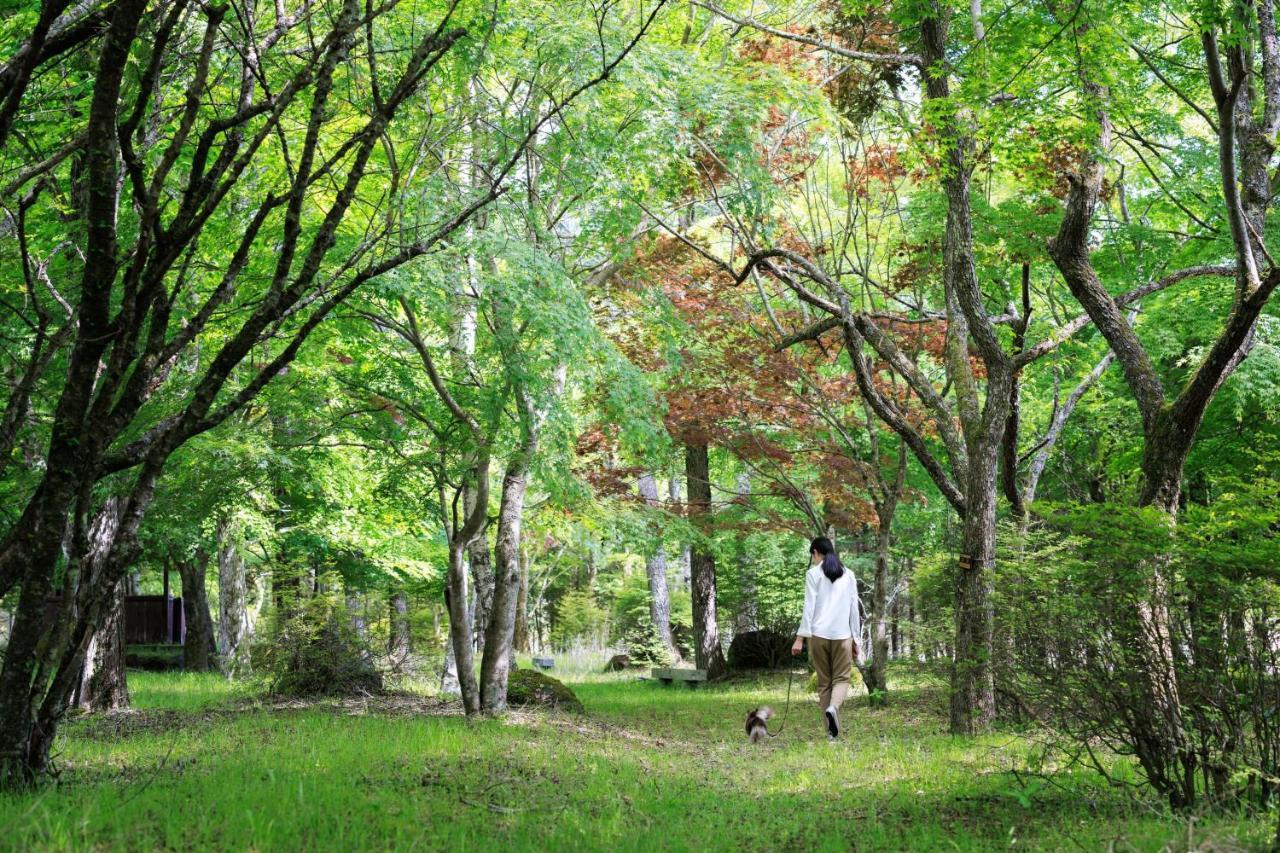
(833,625)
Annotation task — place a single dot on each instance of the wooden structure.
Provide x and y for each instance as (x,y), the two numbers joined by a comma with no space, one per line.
(544,663)
(691,677)
(149,620)
(153,620)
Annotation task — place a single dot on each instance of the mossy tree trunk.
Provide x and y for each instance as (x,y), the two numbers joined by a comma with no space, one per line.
(199,648)
(706,633)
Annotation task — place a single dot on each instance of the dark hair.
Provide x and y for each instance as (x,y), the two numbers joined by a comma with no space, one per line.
(830,563)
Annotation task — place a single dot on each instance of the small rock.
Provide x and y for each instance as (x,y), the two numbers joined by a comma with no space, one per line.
(618,663)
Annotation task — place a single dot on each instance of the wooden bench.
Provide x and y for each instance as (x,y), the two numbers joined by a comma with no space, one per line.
(691,677)
(544,663)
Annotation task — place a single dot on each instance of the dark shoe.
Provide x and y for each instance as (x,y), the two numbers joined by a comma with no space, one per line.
(833,722)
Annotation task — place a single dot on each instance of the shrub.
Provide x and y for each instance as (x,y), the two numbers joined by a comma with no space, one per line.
(578,618)
(645,647)
(630,611)
(315,652)
(1075,648)
(764,649)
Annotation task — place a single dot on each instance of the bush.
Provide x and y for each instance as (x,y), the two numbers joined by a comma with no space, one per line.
(530,687)
(1076,646)
(645,648)
(765,649)
(315,652)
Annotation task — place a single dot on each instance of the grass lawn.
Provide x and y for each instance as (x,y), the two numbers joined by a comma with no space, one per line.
(202,764)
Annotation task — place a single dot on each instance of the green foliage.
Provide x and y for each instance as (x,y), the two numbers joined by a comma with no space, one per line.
(645,647)
(630,608)
(1084,593)
(579,619)
(314,651)
(350,464)
(764,572)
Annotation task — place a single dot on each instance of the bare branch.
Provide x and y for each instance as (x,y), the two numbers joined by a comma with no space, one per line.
(874,57)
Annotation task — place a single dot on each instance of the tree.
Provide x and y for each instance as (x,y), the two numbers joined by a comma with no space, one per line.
(141,306)
(982,370)
(1246,122)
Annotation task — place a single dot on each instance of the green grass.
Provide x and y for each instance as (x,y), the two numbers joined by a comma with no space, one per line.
(173,690)
(202,765)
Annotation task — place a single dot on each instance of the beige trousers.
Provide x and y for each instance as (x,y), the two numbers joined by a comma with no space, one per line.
(833,661)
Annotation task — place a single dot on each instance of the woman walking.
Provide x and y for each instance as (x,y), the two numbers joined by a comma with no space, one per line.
(833,625)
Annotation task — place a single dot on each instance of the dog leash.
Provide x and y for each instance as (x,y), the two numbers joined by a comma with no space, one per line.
(786,710)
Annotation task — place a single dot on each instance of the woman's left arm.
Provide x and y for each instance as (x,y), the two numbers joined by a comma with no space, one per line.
(855,616)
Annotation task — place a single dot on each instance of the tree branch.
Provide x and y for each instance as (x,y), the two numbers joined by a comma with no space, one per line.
(874,57)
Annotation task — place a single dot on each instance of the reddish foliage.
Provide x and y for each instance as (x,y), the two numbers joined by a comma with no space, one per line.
(733,390)
(879,164)
(596,449)
(790,56)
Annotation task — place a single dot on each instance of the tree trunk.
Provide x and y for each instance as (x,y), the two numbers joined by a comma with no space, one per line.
(707,652)
(656,571)
(21,764)
(449,685)
(522,607)
(877,672)
(102,685)
(1166,746)
(495,666)
(400,641)
(480,560)
(895,629)
(199,651)
(686,552)
(355,616)
(233,598)
(456,595)
(972,681)
(745,619)
(460,631)
(55,665)
(906,647)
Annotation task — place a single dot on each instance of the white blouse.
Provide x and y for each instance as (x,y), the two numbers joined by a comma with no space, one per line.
(830,609)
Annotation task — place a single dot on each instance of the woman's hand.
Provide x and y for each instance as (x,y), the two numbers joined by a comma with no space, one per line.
(798,646)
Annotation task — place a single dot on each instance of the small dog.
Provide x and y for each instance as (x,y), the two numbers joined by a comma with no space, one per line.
(756,729)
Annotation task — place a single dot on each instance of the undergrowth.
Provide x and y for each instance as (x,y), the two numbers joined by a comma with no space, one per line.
(201,764)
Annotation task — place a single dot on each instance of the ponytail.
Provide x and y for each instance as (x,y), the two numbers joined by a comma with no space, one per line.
(831,566)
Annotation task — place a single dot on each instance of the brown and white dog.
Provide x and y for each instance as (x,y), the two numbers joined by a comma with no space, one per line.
(756,729)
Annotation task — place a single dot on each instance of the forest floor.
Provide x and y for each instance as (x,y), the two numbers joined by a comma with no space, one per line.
(202,764)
